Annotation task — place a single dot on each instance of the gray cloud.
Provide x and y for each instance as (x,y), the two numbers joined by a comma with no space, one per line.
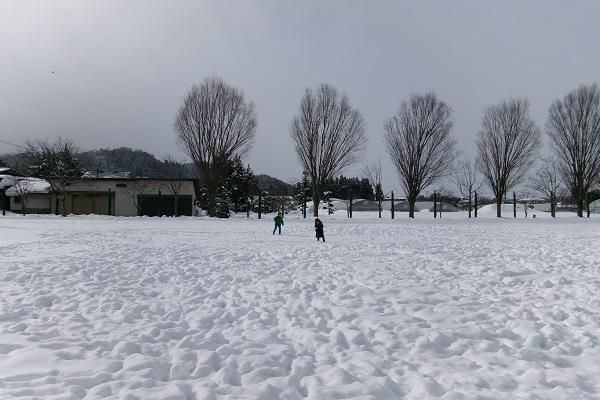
(122,68)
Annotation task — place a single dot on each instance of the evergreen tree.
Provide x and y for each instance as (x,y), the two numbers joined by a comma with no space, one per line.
(302,191)
(342,188)
(239,185)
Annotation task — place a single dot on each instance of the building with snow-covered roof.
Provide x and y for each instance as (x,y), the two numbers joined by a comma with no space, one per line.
(26,194)
(109,196)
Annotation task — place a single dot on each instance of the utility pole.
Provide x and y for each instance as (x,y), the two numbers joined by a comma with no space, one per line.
(350,205)
(159,214)
(109,202)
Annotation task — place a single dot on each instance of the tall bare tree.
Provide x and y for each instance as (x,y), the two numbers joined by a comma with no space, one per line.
(467,181)
(548,181)
(57,163)
(420,144)
(573,126)
(213,125)
(507,143)
(373,173)
(329,135)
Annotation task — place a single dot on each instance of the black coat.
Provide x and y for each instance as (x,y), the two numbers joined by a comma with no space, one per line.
(319,228)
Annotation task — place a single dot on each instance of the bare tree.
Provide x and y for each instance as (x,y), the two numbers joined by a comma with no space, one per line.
(136,188)
(419,143)
(213,125)
(176,171)
(467,181)
(507,143)
(548,182)
(21,187)
(573,126)
(373,173)
(329,136)
(56,163)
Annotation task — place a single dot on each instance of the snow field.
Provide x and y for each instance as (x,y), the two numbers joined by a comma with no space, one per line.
(194,308)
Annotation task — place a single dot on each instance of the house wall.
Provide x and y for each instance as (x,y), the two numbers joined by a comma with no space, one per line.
(123,195)
(36,204)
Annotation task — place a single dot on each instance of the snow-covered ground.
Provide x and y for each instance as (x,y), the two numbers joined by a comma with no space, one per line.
(193,308)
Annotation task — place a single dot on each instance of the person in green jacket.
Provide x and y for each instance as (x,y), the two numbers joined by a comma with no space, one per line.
(278,223)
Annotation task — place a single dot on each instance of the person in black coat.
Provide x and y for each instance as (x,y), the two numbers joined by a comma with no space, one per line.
(319,229)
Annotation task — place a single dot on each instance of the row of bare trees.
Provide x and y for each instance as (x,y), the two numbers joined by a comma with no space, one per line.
(509,141)
(215,123)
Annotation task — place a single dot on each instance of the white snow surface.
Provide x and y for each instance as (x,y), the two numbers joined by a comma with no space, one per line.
(199,308)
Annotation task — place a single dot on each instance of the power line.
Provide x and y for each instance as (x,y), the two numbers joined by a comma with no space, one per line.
(12,144)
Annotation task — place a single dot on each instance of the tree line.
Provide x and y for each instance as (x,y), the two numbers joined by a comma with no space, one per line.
(216,123)
(216,126)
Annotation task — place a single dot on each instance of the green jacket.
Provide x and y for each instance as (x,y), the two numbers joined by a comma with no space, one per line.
(278,220)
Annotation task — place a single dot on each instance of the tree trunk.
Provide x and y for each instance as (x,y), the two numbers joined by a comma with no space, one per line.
(499,205)
(64,205)
(411,208)
(212,195)
(316,201)
(379,201)
(470,194)
(175,204)
(580,198)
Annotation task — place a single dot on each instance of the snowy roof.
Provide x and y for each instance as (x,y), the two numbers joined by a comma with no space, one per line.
(29,185)
(5,181)
(106,174)
(531,200)
(9,171)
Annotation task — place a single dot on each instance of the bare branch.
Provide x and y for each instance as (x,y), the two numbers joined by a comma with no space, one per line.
(573,126)
(329,136)
(420,144)
(467,181)
(508,142)
(57,164)
(21,188)
(467,178)
(547,179)
(213,125)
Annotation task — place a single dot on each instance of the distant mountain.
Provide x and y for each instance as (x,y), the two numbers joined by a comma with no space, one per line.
(124,159)
(137,163)
(274,186)
(121,159)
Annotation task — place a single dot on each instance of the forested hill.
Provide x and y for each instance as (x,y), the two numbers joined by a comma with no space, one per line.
(138,163)
(274,186)
(124,159)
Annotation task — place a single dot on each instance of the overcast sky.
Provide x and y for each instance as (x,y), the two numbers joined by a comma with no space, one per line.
(121,68)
